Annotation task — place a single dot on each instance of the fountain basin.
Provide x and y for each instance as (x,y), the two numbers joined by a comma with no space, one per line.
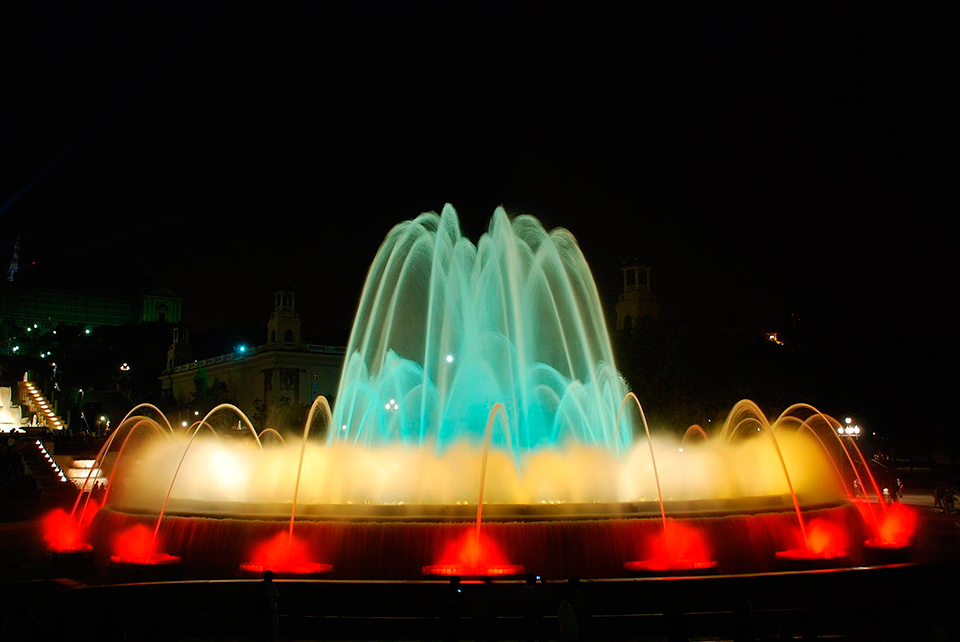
(398,542)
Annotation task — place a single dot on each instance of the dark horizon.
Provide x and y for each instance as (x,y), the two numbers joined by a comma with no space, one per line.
(766,159)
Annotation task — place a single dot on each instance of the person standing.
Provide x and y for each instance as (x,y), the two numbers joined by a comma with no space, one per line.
(572,612)
(267,609)
(532,602)
(452,610)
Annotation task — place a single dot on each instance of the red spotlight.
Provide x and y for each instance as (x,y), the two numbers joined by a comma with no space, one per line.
(896,528)
(136,545)
(284,554)
(824,541)
(472,556)
(62,533)
(678,547)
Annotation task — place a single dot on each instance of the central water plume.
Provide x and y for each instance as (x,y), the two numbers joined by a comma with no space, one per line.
(447,329)
(479,389)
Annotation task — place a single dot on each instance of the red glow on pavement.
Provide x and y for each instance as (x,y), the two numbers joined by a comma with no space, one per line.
(284,554)
(677,547)
(472,556)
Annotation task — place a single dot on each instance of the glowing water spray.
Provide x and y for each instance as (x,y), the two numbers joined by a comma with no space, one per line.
(446,329)
(450,340)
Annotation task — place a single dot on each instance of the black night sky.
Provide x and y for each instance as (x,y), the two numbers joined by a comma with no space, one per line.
(767,157)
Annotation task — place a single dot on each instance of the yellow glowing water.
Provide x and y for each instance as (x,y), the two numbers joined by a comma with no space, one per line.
(230,471)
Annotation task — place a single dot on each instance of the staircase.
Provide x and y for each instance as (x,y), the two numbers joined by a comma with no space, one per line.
(40,464)
(36,403)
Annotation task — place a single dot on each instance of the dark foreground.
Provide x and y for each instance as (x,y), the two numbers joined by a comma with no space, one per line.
(899,601)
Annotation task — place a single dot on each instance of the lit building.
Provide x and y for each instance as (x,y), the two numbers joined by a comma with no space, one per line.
(637,299)
(283,372)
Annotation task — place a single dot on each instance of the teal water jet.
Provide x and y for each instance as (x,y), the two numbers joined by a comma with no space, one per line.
(446,329)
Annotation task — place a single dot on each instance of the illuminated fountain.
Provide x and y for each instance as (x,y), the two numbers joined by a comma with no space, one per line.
(481,428)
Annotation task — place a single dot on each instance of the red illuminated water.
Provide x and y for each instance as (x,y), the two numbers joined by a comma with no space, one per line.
(554,548)
(284,554)
(892,525)
(679,546)
(154,540)
(472,555)
(824,541)
(695,429)
(62,533)
(896,528)
(137,545)
(542,540)
(65,532)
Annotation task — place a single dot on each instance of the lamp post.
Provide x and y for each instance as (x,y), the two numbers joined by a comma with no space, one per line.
(849,428)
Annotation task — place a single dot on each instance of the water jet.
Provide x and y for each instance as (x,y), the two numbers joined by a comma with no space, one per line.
(489,363)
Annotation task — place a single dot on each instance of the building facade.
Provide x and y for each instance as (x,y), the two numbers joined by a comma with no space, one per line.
(637,299)
(283,374)
(45,308)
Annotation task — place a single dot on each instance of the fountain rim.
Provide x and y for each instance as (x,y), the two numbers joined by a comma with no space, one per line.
(466,512)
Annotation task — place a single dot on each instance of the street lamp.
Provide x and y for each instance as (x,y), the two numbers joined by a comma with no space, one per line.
(849,429)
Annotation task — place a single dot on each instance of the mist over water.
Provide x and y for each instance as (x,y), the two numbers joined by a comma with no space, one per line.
(233,472)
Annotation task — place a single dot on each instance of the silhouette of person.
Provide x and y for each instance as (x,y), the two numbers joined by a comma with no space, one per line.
(573,612)
(484,611)
(267,610)
(567,621)
(531,599)
(743,618)
(452,610)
